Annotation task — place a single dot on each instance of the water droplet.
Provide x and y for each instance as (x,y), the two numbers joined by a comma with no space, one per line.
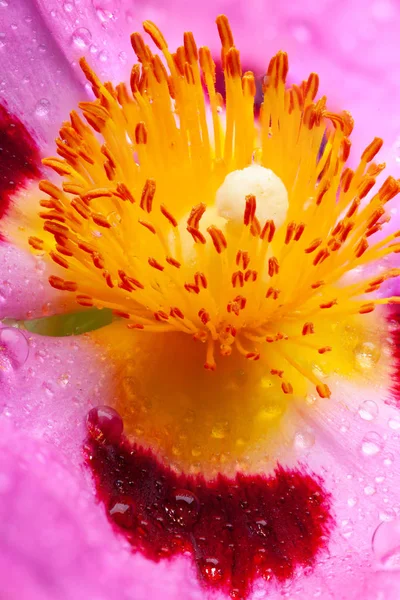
(352,502)
(394,423)
(2,39)
(14,347)
(269,411)
(123,57)
(3,3)
(81,37)
(387,514)
(68,7)
(220,430)
(311,399)
(63,380)
(121,512)
(369,490)
(366,355)
(184,508)
(104,424)
(303,440)
(386,545)
(347,529)
(388,460)
(372,444)
(93,49)
(319,372)
(196,451)
(211,570)
(104,15)
(368,410)
(301,32)
(103,56)
(42,107)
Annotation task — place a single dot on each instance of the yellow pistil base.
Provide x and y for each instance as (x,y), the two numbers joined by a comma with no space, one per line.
(238,416)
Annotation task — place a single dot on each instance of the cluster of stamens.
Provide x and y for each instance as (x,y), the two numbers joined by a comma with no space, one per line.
(134,224)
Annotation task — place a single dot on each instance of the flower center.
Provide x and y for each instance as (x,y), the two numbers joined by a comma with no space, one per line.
(239,232)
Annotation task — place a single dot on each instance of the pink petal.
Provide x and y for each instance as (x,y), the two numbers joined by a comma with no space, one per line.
(49,384)
(37,82)
(56,543)
(47,396)
(24,290)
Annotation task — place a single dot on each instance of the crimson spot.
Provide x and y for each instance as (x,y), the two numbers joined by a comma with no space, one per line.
(19,157)
(234,529)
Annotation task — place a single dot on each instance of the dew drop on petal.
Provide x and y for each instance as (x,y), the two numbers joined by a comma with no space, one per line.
(123,57)
(81,37)
(372,443)
(211,570)
(394,423)
(220,430)
(68,7)
(386,545)
(183,508)
(368,410)
(387,514)
(347,529)
(14,346)
(103,56)
(388,459)
(301,32)
(104,424)
(121,512)
(303,440)
(42,107)
(366,355)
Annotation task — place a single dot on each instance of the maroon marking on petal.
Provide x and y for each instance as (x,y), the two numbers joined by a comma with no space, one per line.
(19,157)
(234,529)
(394,327)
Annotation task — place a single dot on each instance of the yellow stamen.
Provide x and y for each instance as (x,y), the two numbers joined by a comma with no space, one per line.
(237,233)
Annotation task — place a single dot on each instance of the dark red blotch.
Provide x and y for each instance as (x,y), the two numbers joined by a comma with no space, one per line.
(19,157)
(394,324)
(235,529)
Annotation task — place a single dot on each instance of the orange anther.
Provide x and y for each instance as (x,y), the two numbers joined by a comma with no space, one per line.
(218,238)
(149,190)
(308,328)
(250,210)
(268,231)
(141,133)
(313,246)
(273,266)
(168,215)
(287,387)
(155,264)
(323,390)
(372,150)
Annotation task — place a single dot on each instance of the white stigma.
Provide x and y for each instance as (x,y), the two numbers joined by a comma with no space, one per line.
(271,195)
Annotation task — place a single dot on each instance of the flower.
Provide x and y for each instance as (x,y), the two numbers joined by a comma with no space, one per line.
(320,428)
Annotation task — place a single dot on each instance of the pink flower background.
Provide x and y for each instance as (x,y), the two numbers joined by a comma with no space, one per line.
(55,541)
